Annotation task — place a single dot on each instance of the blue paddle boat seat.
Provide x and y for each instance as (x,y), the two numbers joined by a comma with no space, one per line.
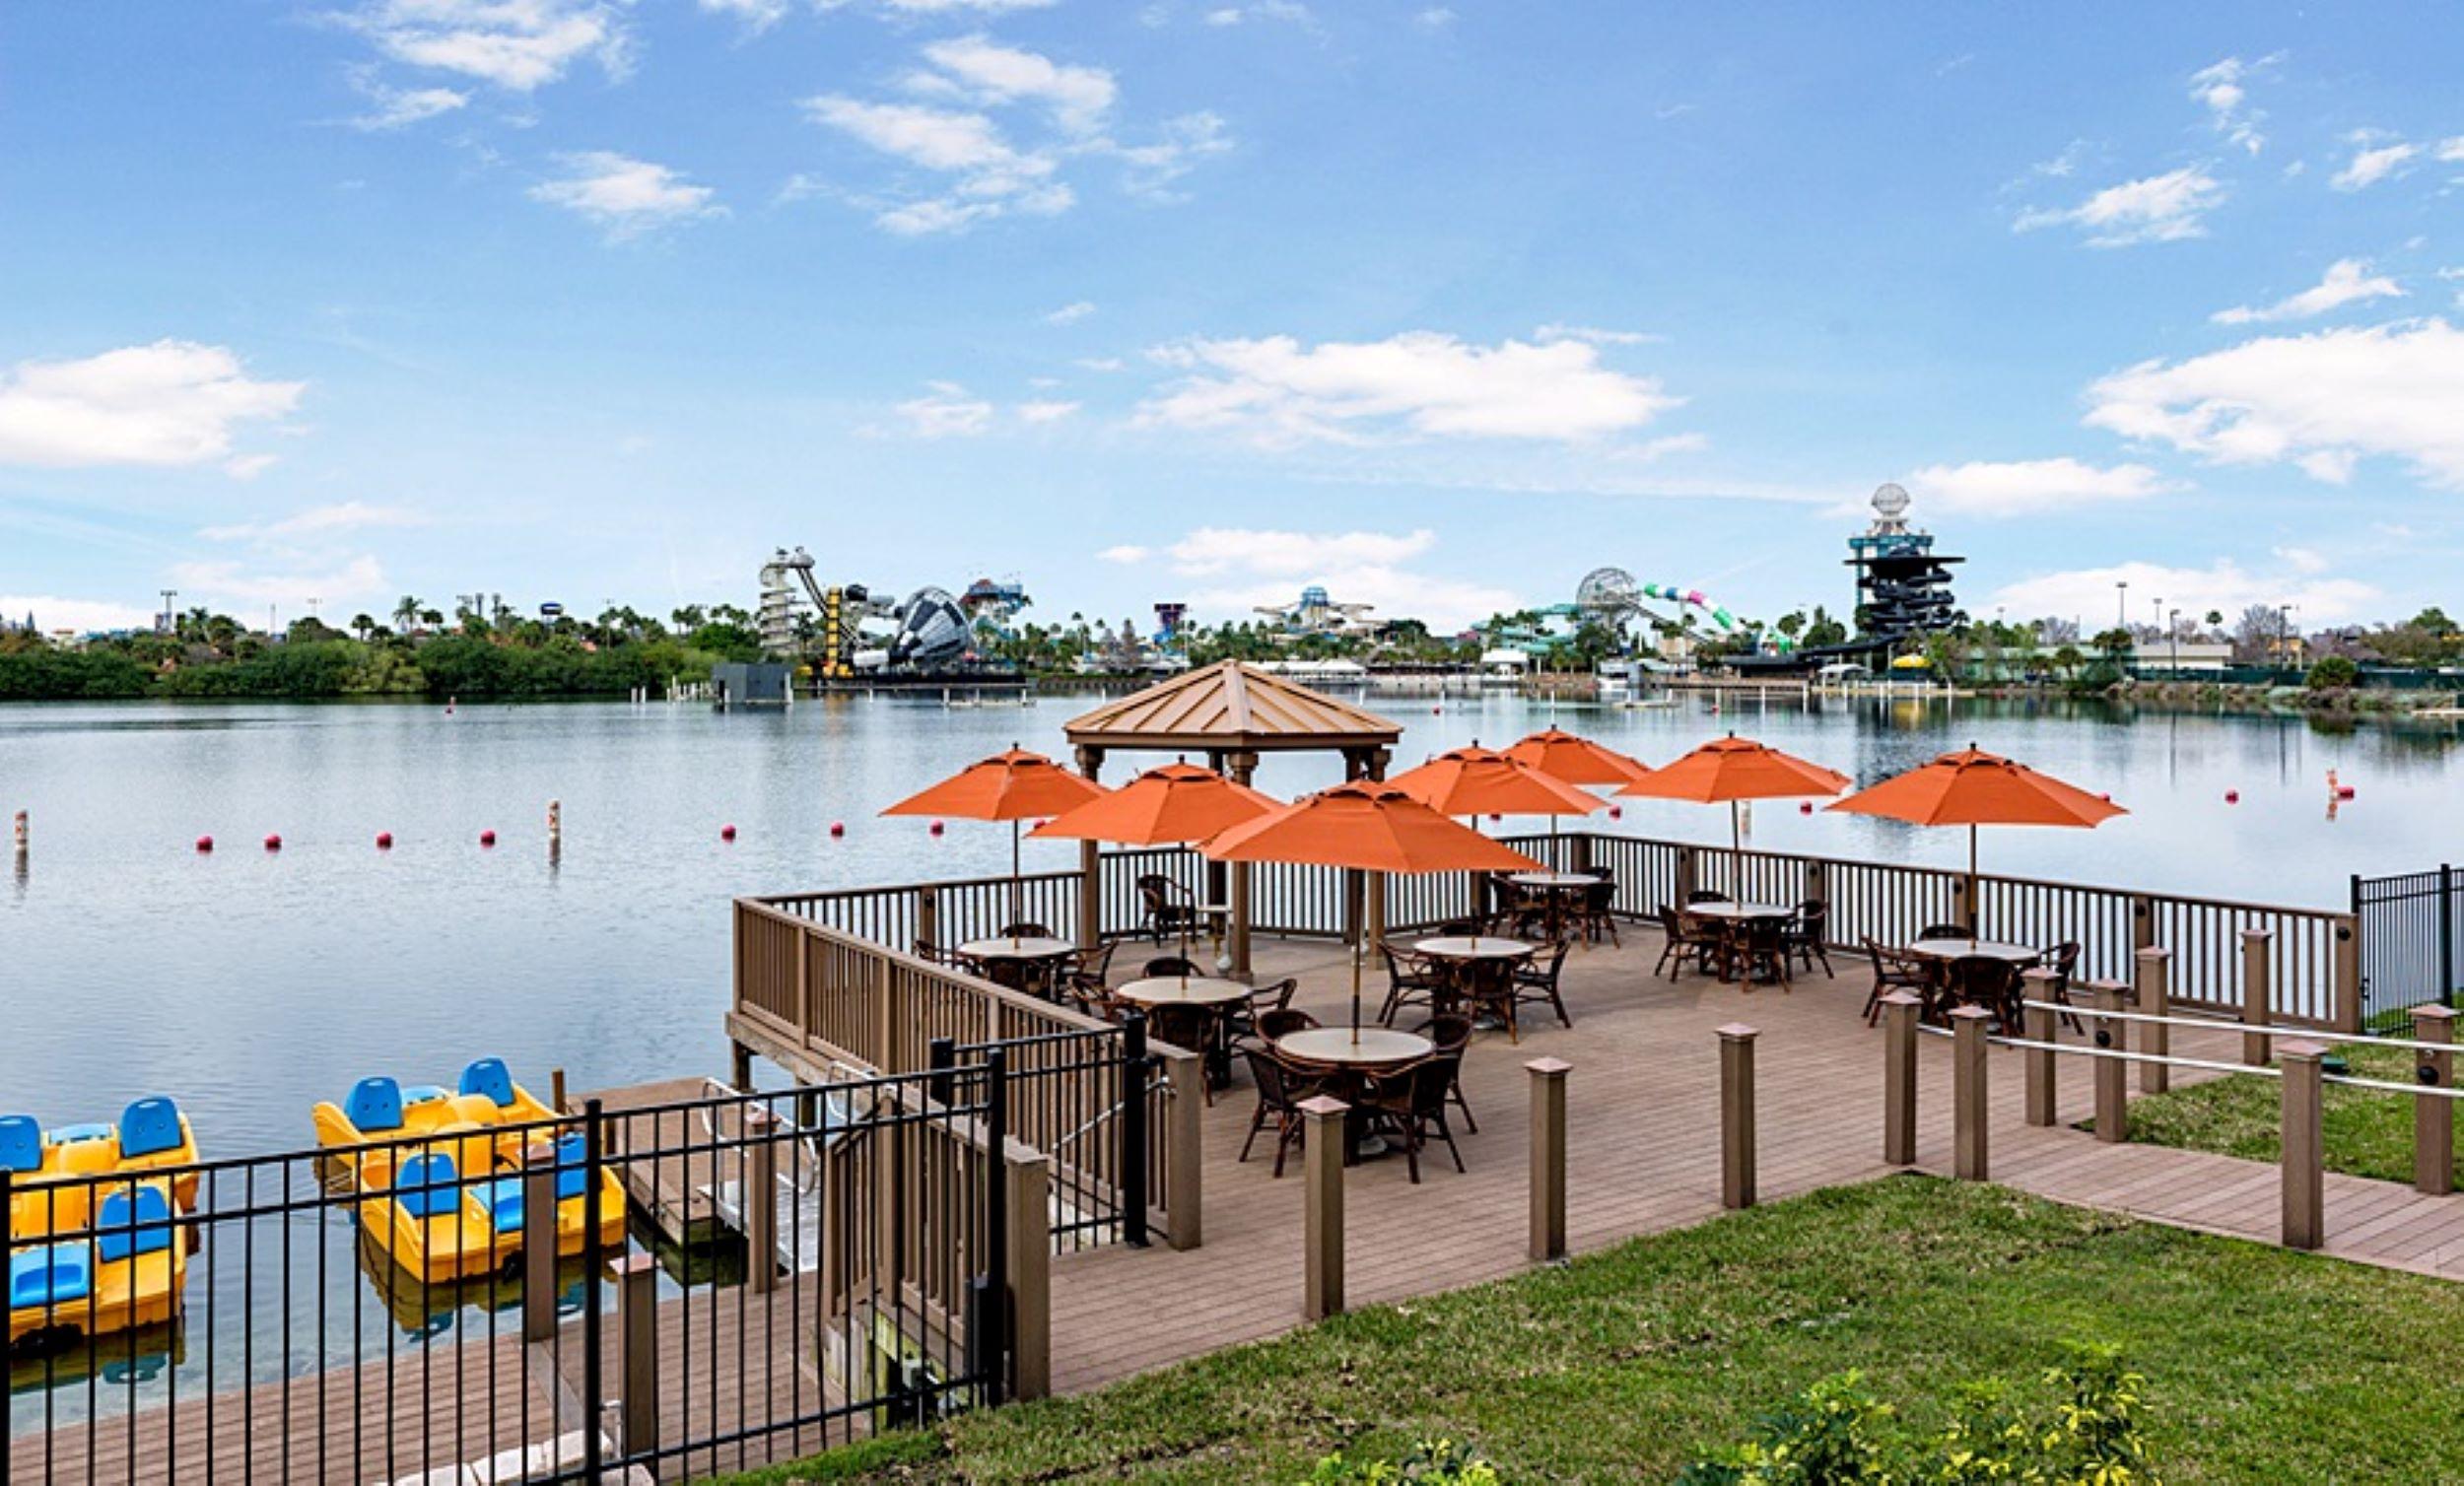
(71,1134)
(503,1198)
(421,1094)
(149,1127)
(374,1104)
(427,1187)
(133,1223)
(489,1076)
(572,1172)
(20,1143)
(56,1274)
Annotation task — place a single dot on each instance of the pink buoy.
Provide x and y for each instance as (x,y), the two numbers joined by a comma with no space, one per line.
(727,833)
(838,828)
(384,840)
(273,843)
(1616,812)
(936,827)
(1495,818)
(205,844)
(487,837)
(1805,807)
(2344,791)
(2233,796)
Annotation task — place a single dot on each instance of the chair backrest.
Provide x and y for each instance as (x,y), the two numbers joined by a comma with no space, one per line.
(1671,922)
(20,1143)
(133,1222)
(1275,997)
(1450,1031)
(1708,895)
(374,1104)
(1811,914)
(1764,933)
(1266,1071)
(1283,1021)
(1154,890)
(1982,977)
(1096,959)
(1431,1079)
(1459,928)
(2064,958)
(489,1076)
(1602,874)
(1555,961)
(1025,928)
(149,1127)
(1601,896)
(1946,931)
(425,1186)
(1169,965)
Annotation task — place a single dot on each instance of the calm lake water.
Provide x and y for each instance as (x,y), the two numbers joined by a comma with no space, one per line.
(251,984)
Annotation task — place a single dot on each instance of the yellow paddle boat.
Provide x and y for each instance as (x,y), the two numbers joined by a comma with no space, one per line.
(51,1193)
(442,1173)
(127,1274)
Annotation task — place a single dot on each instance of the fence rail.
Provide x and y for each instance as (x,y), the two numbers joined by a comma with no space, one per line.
(2411,925)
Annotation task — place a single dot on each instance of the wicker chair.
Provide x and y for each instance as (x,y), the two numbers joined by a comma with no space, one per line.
(1411,978)
(1707,894)
(1985,980)
(1948,931)
(1686,941)
(1167,906)
(1808,932)
(1198,1029)
(1169,965)
(1240,1020)
(1450,1032)
(1410,1104)
(1595,916)
(1025,928)
(1282,1085)
(1896,970)
(1758,947)
(1087,982)
(2063,962)
(1273,1026)
(932,953)
(1536,981)
(1487,988)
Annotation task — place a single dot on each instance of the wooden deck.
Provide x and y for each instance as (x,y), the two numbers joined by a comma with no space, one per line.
(1644,1157)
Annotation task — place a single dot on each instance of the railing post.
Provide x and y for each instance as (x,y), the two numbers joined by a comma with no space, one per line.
(1818,888)
(1030,1177)
(1737,1115)
(1968,1105)
(1135,1137)
(2256,1003)
(540,1241)
(1185,1149)
(2304,1151)
(1899,1013)
(2433,1114)
(2040,1065)
(928,917)
(1090,894)
(940,1058)
(2347,1009)
(1684,875)
(637,1328)
(759,1173)
(2447,934)
(2154,966)
(593,1258)
(1548,1158)
(2142,926)
(2112,1073)
(1322,1228)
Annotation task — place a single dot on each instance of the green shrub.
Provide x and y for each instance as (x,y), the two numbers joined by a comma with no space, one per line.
(1435,1462)
(2333,673)
(1837,1432)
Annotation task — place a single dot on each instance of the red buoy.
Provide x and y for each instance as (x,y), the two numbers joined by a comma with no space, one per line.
(936,827)
(727,833)
(2233,796)
(273,843)
(205,844)
(487,837)
(384,840)
(2344,791)
(1616,812)
(838,828)
(1805,807)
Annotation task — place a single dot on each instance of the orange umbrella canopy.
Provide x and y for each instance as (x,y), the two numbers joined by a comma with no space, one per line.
(1015,785)
(1368,827)
(1483,781)
(1731,768)
(1577,760)
(1178,802)
(1973,788)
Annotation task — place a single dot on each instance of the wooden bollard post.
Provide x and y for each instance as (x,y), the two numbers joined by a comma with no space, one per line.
(637,1327)
(2041,1064)
(1548,1156)
(2434,1114)
(760,1196)
(556,826)
(1030,1176)
(2256,1003)
(2112,1073)
(2304,1148)
(539,1242)
(22,835)
(1321,1228)
(1899,1014)
(2154,970)
(1968,1092)
(1737,1115)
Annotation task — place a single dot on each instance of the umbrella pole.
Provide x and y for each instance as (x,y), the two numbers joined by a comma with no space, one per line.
(1735,851)
(1353,882)
(1975,903)
(1014,884)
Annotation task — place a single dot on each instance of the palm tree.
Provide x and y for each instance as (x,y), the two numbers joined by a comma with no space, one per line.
(406,613)
(362,625)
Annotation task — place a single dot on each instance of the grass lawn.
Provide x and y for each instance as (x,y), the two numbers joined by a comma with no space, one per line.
(2263,1365)
(2368,1132)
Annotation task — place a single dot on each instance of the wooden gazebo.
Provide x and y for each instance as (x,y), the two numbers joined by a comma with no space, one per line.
(1230,713)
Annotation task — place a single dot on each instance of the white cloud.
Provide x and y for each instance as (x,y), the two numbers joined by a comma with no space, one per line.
(1101,363)
(1151,168)
(2372,162)
(993,74)
(2223,88)
(757,15)
(945,411)
(1125,552)
(84,616)
(2162,208)
(400,108)
(174,402)
(1288,11)
(316,520)
(2025,486)
(1292,553)
(988,176)
(943,7)
(1046,410)
(2225,586)
(249,466)
(230,585)
(2301,559)
(2451,150)
(1265,568)
(1436,17)
(2322,400)
(517,44)
(1278,391)
(624,195)
(2348,281)
(1070,313)
(1594,335)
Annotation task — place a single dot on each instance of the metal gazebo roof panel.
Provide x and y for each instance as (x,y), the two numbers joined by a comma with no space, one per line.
(1230,705)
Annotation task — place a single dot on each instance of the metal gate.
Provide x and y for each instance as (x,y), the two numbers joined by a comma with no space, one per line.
(2409,925)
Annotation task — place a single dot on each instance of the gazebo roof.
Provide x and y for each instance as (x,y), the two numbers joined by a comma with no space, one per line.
(1230,705)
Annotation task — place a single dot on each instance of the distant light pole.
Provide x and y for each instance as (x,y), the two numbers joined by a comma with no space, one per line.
(2121,603)
(2174,630)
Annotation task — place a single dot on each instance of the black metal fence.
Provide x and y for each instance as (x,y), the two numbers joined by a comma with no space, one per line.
(2410,926)
(662,1292)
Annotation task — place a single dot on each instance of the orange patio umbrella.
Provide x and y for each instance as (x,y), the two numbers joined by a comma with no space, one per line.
(1575,759)
(1012,787)
(1730,770)
(1175,803)
(1479,781)
(1365,825)
(1972,788)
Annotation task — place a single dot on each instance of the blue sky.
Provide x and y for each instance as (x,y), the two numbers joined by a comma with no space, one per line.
(1440,305)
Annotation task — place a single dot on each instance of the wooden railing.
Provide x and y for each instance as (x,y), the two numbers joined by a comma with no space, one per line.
(815,998)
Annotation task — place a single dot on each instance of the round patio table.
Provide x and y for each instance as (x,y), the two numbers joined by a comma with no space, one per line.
(1739,912)
(1378,1047)
(1462,955)
(1176,990)
(1031,957)
(1559,886)
(1953,949)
